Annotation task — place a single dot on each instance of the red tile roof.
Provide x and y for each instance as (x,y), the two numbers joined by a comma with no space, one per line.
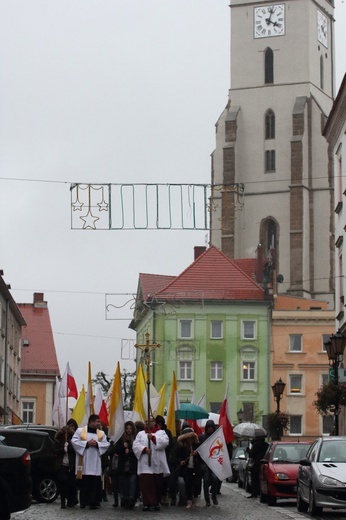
(212,276)
(151,284)
(39,357)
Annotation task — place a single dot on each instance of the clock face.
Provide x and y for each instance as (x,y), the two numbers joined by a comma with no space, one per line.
(322,29)
(269,20)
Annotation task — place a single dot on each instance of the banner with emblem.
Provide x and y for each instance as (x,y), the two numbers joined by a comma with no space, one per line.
(214,453)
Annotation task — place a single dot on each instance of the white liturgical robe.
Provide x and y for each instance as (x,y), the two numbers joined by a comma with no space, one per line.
(92,455)
(158,453)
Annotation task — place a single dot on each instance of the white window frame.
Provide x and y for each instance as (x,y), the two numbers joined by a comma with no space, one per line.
(300,432)
(216,371)
(243,325)
(291,344)
(180,324)
(185,370)
(212,332)
(296,387)
(248,368)
(25,402)
(325,338)
(327,422)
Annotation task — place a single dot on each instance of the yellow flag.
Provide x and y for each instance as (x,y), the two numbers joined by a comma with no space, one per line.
(161,406)
(116,409)
(139,392)
(78,413)
(174,404)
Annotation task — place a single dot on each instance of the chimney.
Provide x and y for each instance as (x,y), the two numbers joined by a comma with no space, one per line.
(38,300)
(198,251)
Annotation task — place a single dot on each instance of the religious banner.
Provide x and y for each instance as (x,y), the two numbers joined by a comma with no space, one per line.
(214,453)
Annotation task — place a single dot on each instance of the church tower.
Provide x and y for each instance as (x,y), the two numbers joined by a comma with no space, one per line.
(269,138)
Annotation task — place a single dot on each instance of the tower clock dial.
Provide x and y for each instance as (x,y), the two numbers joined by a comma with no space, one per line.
(322,29)
(269,20)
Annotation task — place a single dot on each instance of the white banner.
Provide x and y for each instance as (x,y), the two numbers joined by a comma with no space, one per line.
(214,453)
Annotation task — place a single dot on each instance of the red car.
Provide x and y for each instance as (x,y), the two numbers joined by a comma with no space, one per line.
(279,469)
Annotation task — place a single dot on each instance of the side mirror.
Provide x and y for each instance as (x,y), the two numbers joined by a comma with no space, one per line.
(305,462)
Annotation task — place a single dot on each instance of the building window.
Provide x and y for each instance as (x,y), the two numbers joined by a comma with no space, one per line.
(28,412)
(185,329)
(185,370)
(248,329)
(216,329)
(296,425)
(327,424)
(248,370)
(270,124)
(270,161)
(296,383)
(325,339)
(295,343)
(216,371)
(325,379)
(268,66)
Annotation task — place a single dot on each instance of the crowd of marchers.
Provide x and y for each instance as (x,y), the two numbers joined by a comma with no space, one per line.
(147,467)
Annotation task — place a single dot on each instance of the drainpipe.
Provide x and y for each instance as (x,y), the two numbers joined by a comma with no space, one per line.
(269,321)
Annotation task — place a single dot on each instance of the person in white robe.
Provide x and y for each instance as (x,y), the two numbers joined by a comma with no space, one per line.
(90,443)
(150,450)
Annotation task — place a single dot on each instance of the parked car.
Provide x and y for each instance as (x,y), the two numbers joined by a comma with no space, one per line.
(15,480)
(39,427)
(242,464)
(321,477)
(279,469)
(44,462)
(237,452)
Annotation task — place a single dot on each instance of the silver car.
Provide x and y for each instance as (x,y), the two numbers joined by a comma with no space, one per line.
(322,476)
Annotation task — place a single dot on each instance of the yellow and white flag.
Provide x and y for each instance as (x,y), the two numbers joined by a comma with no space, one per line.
(139,411)
(79,414)
(116,409)
(214,453)
(174,405)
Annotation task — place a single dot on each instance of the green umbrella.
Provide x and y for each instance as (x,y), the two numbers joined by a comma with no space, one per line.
(191,411)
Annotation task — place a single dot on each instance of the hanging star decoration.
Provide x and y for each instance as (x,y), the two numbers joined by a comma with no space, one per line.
(89,220)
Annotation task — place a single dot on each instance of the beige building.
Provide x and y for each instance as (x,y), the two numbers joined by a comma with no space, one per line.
(299,329)
(269,139)
(11,322)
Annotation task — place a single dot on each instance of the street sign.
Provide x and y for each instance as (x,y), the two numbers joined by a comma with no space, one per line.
(341,373)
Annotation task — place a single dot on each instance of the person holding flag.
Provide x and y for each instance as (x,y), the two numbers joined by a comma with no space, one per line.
(209,477)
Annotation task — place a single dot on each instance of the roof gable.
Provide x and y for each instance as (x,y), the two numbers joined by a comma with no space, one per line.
(213,276)
(39,356)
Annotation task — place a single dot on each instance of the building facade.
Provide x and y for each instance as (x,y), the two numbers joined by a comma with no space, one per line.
(213,326)
(300,327)
(39,363)
(269,139)
(11,323)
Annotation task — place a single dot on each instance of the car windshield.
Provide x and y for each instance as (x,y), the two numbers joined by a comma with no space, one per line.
(237,452)
(333,451)
(292,453)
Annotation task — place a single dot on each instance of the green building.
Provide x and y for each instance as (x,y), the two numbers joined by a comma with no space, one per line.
(213,326)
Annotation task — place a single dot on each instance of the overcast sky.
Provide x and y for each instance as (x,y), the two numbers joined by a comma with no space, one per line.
(104,91)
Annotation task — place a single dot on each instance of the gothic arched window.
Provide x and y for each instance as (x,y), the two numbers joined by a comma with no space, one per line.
(268,66)
(269,124)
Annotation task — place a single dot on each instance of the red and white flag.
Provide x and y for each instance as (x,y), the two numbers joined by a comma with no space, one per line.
(100,406)
(68,387)
(224,420)
(215,454)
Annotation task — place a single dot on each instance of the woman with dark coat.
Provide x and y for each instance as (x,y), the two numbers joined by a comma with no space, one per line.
(67,461)
(210,480)
(127,466)
(188,460)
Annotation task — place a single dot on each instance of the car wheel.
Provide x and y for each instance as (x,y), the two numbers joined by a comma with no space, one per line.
(313,509)
(46,490)
(263,497)
(302,506)
(271,501)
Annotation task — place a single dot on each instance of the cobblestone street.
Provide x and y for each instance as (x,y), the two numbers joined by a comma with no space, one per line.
(232,504)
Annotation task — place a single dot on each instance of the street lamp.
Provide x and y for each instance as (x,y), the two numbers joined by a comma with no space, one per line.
(335,351)
(278,389)
(240,415)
